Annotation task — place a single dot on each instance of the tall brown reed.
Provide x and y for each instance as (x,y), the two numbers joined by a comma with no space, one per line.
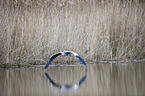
(31,31)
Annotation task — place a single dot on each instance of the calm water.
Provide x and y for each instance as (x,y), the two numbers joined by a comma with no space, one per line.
(121,79)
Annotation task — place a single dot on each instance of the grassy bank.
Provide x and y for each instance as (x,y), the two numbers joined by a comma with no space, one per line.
(31,31)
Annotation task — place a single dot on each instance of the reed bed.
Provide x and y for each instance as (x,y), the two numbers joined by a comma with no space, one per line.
(32,30)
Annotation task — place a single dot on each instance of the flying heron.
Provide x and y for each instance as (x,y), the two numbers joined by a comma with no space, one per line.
(65,53)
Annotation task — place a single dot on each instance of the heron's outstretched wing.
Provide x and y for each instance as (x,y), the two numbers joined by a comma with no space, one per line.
(81,60)
(78,56)
(51,59)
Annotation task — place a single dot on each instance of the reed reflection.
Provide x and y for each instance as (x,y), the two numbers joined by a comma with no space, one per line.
(67,86)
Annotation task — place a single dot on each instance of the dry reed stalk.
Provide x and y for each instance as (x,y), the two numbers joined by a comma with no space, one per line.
(97,30)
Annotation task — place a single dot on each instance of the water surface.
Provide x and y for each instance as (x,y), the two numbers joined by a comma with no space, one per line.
(120,79)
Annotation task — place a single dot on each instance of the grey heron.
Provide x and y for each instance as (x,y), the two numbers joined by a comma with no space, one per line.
(65,53)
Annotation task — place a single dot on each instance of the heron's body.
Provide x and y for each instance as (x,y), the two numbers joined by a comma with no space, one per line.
(65,53)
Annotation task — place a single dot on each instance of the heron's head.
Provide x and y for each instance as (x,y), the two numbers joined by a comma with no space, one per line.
(63,53)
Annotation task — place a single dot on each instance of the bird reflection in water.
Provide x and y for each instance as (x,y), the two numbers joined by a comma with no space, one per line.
(66,87)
